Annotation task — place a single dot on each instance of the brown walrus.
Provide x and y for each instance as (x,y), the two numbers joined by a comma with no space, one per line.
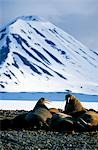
(88,121)
(39,115)
(73,106)
(55,110)
(19,121)
(62,123)
(34,118)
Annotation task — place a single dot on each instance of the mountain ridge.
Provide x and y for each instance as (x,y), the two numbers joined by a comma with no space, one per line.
(38,56)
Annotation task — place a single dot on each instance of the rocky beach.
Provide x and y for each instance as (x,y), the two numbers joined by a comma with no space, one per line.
(41,139)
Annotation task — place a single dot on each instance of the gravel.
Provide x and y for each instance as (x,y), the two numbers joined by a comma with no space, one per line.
(45,140)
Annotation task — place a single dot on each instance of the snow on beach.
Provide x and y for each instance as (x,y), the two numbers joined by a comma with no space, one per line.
(29,105)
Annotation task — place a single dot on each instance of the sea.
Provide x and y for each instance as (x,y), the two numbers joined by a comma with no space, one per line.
(27,100)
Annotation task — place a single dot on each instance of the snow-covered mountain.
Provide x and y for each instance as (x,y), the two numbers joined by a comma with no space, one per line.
(38,56)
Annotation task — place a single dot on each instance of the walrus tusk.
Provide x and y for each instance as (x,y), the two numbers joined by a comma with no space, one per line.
(47,102)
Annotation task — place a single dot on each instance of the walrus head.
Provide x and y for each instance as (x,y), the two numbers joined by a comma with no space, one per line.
(67,97)
(72,104)
(42,103)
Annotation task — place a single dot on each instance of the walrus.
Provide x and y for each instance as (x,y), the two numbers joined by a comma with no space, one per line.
(39,115)
(19,121)
(34,118)
(88,121)
(62,123)
(73,106)
(55,110)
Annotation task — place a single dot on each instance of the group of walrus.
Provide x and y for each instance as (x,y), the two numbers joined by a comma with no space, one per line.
(74,117)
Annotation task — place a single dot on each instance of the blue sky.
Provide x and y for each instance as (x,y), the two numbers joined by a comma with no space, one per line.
(76,17)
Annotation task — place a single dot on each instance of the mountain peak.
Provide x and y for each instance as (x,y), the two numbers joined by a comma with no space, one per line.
(31,18)
(38,56)
(25,18)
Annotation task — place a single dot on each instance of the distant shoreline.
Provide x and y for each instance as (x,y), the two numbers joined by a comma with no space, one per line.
(53,96)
